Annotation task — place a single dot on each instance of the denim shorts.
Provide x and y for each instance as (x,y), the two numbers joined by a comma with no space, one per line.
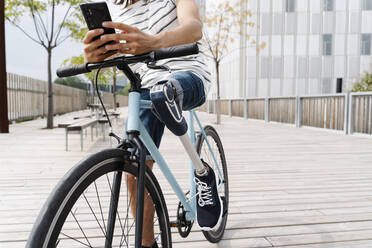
(190,90)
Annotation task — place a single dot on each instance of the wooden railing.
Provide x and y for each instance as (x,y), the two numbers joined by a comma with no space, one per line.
(28,98)
(350,113)
(361,113)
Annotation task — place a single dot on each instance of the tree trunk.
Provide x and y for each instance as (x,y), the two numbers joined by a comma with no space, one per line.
(4,123)
(114,87)
(218,102)
(50,91)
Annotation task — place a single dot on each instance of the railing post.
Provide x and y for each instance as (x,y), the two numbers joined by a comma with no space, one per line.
(215,106)
(230,107)
(245,109)
(351,114)
(267,109)
(298,111)
(346,114)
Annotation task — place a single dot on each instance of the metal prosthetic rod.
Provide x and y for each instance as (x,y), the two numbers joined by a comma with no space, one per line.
(190,149)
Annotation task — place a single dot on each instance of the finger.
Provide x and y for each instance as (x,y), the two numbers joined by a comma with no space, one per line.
(99,51)
(122,47)
(91,34)
(119,25)
(102,57)
(94,45)
(109,54)
(118,37)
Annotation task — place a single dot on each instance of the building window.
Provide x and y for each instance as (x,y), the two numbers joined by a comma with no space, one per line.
(367,4)
(290,5)
(327,44)
(328,5)
(365,44)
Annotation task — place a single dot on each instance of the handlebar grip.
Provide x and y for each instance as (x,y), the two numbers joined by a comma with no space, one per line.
(176,51)
(72,70)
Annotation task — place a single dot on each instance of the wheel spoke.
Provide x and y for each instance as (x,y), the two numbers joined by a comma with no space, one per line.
(100,206)
(126,222)
(75,239)
(86,223)
(117,212)
(91,209)
(81,229)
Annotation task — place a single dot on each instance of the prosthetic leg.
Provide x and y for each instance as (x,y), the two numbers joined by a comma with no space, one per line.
(168,108)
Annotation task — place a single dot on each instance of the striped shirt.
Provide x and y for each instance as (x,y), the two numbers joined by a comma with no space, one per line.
(153,17)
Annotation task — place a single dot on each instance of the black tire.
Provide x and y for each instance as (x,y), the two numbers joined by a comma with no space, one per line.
(204,153)
(56,219)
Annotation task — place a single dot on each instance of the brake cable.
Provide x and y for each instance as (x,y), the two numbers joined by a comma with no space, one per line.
(111,134)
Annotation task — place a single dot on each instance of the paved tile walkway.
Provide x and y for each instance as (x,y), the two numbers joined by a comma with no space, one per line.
(289,187)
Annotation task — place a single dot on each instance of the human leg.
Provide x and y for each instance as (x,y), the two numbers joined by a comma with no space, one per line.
(209,203)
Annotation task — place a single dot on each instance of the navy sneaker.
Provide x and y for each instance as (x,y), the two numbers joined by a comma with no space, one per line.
(209,206)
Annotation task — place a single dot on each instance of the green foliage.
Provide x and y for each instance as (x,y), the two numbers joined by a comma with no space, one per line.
(14,9)
(364,83)
(103,77)
(124,91)
(49,32)
(78,31)
(75,82)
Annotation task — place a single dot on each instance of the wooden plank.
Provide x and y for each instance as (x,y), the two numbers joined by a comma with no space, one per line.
(291,187)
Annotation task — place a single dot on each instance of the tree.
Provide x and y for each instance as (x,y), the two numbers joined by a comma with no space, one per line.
(48,32)
(4,124)
(364,83)
(223,22)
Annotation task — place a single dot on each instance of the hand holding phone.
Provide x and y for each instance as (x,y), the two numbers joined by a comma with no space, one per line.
(94,14)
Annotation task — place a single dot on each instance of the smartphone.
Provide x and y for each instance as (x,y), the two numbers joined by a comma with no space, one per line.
(94,14)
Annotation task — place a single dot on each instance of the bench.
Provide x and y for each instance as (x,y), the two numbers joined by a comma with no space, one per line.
(82,117)
(68,123)
(78,127)
(114,114)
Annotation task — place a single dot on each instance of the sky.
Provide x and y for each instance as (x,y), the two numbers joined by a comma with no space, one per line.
(27,58)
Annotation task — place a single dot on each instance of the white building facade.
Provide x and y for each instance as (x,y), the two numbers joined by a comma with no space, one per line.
(312,47)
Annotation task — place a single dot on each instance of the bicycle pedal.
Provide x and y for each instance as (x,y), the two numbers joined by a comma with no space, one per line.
(174,223)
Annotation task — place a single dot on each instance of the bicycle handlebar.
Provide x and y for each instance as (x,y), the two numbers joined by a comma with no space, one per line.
(176,51)
(152,56)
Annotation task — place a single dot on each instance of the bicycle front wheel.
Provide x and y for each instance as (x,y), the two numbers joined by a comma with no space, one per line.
(213,154)
(80,210)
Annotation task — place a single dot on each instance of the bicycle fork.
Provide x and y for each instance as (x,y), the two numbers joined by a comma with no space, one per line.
(140,191)
(115,192)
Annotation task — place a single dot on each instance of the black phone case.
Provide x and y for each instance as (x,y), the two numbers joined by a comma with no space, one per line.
(96,13)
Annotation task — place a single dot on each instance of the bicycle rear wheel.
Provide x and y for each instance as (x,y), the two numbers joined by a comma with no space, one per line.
(220,169)
(77,211)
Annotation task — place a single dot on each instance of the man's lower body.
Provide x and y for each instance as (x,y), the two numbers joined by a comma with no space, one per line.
(189,90)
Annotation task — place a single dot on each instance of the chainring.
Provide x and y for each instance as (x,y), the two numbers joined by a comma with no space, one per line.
(184,226)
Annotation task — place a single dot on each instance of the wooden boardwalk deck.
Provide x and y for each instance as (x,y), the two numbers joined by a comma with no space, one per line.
(289,187)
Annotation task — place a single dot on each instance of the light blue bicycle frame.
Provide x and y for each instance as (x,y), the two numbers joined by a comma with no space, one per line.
(135,124)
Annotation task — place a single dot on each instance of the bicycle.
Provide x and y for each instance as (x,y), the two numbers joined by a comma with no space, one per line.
(87,207)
